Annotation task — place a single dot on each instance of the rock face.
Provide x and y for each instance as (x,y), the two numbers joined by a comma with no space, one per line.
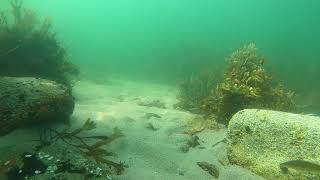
(261,140)
(27,100)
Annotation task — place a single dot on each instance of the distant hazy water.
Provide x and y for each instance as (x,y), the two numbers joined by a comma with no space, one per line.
(165,39)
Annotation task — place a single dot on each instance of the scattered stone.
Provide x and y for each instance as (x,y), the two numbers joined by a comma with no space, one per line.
(262,140)
(26,100)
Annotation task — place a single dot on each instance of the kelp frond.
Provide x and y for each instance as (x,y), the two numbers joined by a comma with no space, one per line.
(94,150)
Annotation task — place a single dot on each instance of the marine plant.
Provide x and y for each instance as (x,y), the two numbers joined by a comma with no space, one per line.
(245,84)
(89,148)
(94,150)
(195,89)
(29,47)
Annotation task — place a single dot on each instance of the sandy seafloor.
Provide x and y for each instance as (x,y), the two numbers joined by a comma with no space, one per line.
(150,154)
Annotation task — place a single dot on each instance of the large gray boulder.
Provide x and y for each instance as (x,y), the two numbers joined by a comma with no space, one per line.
(260,140)
(27,100)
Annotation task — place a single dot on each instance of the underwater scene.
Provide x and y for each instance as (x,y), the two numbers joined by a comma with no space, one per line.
(159,89)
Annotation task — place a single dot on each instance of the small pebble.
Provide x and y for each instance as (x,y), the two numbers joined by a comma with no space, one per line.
(6,163)
(37,172)
(50,158)
(20,171)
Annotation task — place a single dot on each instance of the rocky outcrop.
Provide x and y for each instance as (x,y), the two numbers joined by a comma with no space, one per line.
(27,100)
(261,140)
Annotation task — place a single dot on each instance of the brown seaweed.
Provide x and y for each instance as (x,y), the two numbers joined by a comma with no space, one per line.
(94,150)
(244,84)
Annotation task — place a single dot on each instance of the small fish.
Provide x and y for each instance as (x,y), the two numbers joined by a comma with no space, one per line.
(301,165)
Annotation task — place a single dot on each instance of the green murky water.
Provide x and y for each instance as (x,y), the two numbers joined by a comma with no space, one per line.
(168,40)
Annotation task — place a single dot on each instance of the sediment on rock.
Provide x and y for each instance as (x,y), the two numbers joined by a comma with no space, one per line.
(261,140)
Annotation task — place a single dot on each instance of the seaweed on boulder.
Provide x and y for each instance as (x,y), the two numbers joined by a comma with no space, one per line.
(245,84)
(28,47)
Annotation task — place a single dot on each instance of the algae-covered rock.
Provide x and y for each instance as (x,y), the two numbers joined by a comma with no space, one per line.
(261,140)
(28,100)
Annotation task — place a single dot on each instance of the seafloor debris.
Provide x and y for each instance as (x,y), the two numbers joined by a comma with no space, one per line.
(191,143)
(224,140)
(210,168)
(150,115)
(153,103)
(95,150)
(151,127)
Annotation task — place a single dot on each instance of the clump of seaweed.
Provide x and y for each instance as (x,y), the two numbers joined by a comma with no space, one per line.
(195,89)
(94,150)
(28,47)
(245,84)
